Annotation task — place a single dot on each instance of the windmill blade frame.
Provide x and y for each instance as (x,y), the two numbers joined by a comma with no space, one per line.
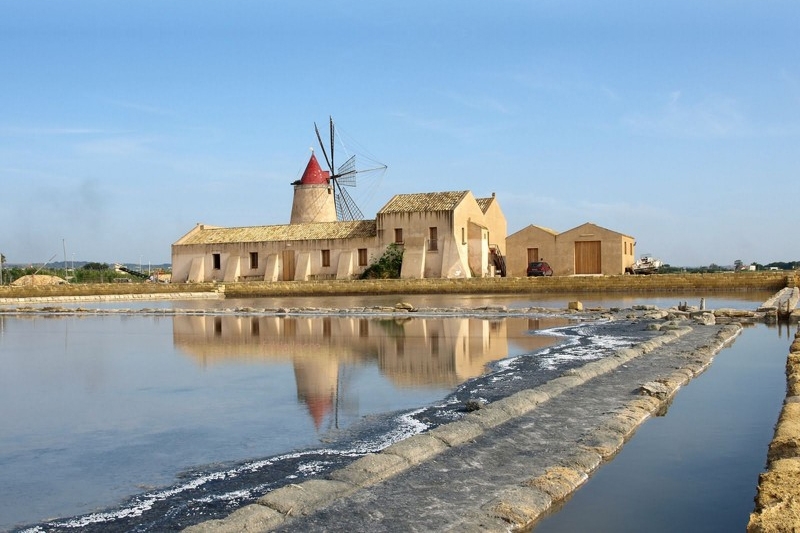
(344,176)
(346,208)
(324,152)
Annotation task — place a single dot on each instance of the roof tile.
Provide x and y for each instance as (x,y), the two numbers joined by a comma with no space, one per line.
(431,201)
(285,232)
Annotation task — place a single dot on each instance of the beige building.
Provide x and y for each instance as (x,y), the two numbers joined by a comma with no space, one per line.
(443,235)
(588,249)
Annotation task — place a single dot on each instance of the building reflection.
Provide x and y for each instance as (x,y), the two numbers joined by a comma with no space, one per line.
(409,351)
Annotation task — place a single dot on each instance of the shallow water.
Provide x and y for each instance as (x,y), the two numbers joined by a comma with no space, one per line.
(142,414)
(713,300)
(696,468)
(99,408)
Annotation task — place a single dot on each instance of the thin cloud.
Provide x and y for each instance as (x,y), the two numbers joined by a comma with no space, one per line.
(48,131)
(438,125)
(119,146)
(481,103)
(144,108)
(710,118)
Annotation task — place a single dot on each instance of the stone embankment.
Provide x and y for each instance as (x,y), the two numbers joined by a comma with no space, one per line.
(661,284)
(783,305)
(778,500)
(666,283)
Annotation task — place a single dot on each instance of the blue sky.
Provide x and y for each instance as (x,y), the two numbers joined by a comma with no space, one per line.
(125,123)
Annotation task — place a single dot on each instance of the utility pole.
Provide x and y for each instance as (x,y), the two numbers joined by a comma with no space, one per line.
(66,274)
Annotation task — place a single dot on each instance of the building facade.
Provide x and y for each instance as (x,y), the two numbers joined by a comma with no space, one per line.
(587,249)
(443,235)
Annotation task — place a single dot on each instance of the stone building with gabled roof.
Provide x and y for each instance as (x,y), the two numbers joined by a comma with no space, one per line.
(287,252)
(445,234)
(587,249)
(442,234)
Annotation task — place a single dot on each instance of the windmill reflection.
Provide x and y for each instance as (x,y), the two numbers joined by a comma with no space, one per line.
(410,352)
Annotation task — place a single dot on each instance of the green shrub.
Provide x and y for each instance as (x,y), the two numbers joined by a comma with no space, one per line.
(387,266)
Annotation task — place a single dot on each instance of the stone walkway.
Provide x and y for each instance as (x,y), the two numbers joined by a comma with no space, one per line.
(784,301)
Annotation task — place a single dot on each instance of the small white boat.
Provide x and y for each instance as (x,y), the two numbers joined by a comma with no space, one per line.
(647,264)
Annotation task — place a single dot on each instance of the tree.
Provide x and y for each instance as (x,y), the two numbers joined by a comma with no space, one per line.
(738,265)
(95,266)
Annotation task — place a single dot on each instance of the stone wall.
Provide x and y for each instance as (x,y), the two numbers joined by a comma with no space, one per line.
(778,500)
(662,283)
(101,289)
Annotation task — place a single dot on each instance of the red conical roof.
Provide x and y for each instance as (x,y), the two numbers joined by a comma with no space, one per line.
(313,174)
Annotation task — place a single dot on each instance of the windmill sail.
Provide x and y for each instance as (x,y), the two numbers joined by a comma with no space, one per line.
(342,177)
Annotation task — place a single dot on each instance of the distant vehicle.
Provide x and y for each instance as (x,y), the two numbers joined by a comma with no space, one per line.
(539,268)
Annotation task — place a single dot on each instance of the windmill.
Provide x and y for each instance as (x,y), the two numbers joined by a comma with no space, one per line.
(343,177)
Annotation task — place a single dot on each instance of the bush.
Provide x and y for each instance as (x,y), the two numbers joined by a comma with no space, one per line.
(387,266)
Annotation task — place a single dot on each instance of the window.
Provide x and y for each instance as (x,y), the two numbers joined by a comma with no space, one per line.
(433,241)
(362,257)
(463,236)
(398,235)
(217,261)
(326,258)
(253,260)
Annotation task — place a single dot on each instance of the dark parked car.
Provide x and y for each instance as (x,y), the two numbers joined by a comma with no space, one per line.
(539,268)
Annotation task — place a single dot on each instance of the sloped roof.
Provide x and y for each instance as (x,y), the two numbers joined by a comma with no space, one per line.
(425,202)
(592,225)
(548,230)
(529,227)
(284,232)
(484,203)
(314,175)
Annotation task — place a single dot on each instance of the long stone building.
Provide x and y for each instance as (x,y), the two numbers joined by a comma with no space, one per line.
(448,234)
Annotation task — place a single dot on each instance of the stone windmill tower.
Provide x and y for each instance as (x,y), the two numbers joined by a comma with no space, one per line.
(313,196)
(321,195)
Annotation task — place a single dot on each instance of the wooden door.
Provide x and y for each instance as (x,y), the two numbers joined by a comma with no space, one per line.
(587,257)
(287,258)
(533,255)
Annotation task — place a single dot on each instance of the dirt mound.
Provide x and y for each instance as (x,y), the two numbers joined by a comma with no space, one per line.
(38,280)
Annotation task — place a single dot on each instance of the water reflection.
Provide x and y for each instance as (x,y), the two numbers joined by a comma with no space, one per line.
(410,352)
